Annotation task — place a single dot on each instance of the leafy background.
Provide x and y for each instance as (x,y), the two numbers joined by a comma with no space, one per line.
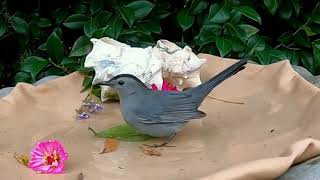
(41,38)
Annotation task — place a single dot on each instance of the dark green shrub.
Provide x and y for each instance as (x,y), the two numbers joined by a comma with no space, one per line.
(46,38)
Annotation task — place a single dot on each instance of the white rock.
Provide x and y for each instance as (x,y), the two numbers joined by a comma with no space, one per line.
(151,65)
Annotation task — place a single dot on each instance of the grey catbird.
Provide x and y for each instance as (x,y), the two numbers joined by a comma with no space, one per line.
(163,113)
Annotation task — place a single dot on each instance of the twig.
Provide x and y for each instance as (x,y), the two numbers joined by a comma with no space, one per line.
(300,28)
(5,36)
(305,24)
(93,131)
(225,100)
(288,46)
(56,65)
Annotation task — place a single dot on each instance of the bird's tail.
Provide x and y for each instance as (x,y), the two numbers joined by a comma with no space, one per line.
(205,88)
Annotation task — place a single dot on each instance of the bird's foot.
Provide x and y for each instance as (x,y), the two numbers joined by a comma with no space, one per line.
(158,145)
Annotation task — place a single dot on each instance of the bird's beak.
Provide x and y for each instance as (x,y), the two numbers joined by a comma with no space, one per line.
(104,83)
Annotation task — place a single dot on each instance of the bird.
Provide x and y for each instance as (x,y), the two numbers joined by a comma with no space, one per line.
(163,113)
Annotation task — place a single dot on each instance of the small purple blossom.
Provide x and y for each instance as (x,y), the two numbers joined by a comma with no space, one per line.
(88,106)
(83,116)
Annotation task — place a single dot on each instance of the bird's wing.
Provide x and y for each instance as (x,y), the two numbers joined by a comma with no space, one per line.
(171,108)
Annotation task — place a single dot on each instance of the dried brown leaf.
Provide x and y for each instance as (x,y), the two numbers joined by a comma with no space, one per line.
(22,159)
(110,145)
(150,151)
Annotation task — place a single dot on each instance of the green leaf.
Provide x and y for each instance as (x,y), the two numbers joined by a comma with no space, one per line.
(81,47)
(52,70)
(84,70)
(248,29)
(185,20)
(307,61)
(255,43)
(236,31)
(127,14)
(250,13)
(235,17)
(292,56)
(20,25)
(218,14)
(269,56)
(285,11)
(68,60)
(3,27)
(22,77)
(296,6)
(285,38)
(123,132)
(60,15)
(89,28)
(141,8)
(237,44)
(115,27)
(309,31)
(86,83)
(96,91)
(80,9)
(43,47)
(34,65)
(160,14)
(224,46)
(200,7)
(99,33)
(207,34)
(102,18)
(272,5)
(76,21)
(152,26)
(302,39)
(44,22)
(316,18)
(58,31)
(96,5)
(55,47)
(35,30)
(316,55)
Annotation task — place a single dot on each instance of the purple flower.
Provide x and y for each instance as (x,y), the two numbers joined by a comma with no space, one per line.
(83,116)
(95,108)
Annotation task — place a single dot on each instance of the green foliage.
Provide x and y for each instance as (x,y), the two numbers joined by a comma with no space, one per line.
(57,41)
(123,132)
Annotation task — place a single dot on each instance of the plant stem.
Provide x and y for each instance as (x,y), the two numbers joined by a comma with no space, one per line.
(93,131)
(298,30)
(305,24)
(225,100)
(56,65)
(5,36)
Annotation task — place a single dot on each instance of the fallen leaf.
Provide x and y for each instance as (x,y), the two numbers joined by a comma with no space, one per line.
(150,151)
(110,145)
(123,132)
(22,159)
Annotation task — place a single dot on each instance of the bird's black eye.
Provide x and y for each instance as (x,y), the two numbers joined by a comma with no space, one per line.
(120,82)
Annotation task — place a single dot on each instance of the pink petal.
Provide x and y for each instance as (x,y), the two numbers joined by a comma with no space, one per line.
(36,153)
(58,170)
(154,87)
(35,163)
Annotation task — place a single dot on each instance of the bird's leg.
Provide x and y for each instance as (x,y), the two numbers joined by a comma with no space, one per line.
(164,144)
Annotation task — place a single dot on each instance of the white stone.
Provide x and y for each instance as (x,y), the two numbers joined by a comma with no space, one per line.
(151,65)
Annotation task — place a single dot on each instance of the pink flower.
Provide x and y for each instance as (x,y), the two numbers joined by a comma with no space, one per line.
(165,86)
(48,157)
